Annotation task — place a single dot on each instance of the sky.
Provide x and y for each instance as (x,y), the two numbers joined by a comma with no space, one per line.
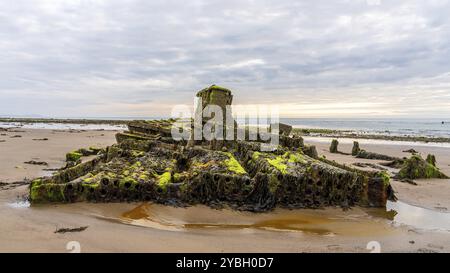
(137,58)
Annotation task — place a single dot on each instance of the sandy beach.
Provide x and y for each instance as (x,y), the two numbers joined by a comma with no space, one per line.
(419,225)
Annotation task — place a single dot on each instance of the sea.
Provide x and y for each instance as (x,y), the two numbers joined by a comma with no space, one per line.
(395,127)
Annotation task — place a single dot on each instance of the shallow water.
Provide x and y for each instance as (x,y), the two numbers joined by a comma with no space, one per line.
(418,217)
(325,222)
(330,222)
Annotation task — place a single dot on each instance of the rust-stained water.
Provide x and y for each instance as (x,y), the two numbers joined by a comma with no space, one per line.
(328,222)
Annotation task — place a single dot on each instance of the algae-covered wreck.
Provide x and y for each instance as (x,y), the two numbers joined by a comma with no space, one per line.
(148,164)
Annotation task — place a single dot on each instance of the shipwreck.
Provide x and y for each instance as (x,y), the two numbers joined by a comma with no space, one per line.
(148,164)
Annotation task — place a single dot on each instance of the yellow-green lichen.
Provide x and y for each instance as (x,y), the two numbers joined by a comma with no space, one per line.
(73,156)
(136,153)
(256,155)
(46,192)
(416,167)
(296,158)
(279,163)
(179,177)
(164,180)
(386,178)
(233,165)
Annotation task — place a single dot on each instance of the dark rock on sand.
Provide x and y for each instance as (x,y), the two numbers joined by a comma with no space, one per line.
(416,167)
(33,162)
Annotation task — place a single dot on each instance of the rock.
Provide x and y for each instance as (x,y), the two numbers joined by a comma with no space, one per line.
(369,155)
(355,149)
(416,167)
(369,165)
(396,164)
(65,230)
(73,156)
(334,146)
(411,151)
(32,162)
(431,159)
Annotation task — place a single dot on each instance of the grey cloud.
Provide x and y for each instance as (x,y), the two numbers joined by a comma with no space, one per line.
(70,55)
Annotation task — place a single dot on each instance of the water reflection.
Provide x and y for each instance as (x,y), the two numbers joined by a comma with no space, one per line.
(330,221)
(327,222)
(419,217)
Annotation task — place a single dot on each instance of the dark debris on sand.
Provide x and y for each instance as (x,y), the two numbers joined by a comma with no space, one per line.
(66,230)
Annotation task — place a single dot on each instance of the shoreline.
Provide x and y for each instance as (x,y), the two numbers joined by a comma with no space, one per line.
(304,132)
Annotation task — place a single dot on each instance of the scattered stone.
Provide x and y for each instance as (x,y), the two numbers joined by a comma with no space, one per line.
(369,165)
(334,146)
(65,230)
(396,164)
(412,242)
(12,185)
(416,167)
(33,162)
(431,159)
(16,136)
(426,250)
(411,151)
(2,140)
(409,181)
(40,139)
(369,155)
(52,169)
(74,156)
(355,149)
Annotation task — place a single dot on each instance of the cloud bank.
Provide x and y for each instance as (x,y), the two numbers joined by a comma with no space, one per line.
(139,58)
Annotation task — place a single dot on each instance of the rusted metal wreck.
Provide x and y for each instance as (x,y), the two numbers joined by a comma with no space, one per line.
(147,164)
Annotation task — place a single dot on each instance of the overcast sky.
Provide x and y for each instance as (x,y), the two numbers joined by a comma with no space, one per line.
(365,58)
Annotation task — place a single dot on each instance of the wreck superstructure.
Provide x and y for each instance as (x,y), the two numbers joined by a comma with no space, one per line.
(148,164)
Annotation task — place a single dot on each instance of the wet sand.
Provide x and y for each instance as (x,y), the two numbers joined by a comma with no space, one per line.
(155,228)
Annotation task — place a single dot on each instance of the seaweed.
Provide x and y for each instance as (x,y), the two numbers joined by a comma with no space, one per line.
(416,167)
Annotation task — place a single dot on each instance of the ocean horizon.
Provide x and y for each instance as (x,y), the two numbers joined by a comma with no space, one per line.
(431,127)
